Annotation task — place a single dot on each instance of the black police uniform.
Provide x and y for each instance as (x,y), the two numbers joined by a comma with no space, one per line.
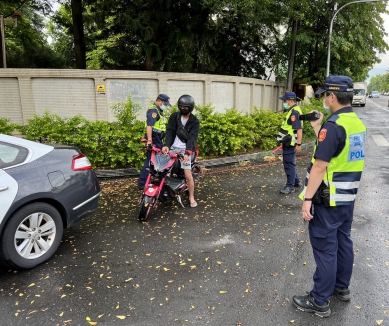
(152,117)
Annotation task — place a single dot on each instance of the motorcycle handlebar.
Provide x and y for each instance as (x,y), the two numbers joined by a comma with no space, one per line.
(152,147)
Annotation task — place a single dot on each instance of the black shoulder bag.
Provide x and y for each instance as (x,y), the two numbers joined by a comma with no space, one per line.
(181,132)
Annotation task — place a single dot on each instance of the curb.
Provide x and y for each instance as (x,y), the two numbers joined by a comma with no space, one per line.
(208,163)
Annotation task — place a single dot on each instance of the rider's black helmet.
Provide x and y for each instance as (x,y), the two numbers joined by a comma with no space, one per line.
(186,100)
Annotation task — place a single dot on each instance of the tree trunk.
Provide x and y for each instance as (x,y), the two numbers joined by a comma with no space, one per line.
(149,64)
(292,54)
(78,34)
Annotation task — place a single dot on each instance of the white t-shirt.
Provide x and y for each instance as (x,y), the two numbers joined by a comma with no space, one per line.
(177,142)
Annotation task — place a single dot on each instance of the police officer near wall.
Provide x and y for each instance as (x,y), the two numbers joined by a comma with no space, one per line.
(329,196)
(290,136)
(155,131)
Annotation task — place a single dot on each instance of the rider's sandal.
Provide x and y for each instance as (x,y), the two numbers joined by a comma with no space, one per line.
(193,204)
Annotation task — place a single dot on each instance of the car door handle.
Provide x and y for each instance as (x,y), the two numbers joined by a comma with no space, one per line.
(3,188)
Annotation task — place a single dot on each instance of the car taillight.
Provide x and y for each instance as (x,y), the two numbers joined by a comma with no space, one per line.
(80,162)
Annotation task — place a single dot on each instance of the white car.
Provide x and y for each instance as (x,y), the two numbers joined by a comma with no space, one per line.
(375,94)
(43,189)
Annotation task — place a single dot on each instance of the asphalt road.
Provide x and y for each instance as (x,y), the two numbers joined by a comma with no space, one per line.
(236,259)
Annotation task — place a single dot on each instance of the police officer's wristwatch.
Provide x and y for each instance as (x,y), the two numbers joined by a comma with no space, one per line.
(308,199)
(298,144)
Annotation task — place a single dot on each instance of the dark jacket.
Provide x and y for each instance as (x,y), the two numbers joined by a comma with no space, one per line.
(192,126)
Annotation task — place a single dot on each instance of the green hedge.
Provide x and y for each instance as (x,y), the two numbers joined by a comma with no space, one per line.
(6,127)
(117,144)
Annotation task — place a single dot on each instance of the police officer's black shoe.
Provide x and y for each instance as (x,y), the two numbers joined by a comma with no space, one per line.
(307,303)
(343,294)
(287,190)
(140,187)
(298,185)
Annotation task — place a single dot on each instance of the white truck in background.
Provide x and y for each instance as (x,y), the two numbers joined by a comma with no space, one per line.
(360,92)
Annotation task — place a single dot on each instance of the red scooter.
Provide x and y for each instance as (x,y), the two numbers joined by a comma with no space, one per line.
(166,180)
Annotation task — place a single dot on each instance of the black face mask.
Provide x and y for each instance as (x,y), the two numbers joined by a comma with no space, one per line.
(184,112)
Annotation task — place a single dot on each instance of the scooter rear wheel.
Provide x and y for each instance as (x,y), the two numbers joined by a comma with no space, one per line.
(145,207)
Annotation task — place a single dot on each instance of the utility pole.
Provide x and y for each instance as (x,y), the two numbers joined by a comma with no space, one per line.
(3,19)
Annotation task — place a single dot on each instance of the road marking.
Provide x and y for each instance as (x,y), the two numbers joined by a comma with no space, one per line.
(380,140)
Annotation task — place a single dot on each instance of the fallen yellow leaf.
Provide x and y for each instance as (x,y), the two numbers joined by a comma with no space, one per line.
(379,322)
(91,322)
(121,317)
(32,284)
(222,291)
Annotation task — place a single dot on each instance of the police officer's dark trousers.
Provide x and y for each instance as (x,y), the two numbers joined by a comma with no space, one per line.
(144,173)
(289,160)
(329,233)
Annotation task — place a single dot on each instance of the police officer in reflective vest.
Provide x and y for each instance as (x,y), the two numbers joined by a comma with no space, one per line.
(155,131)
(290,136)
(329,195)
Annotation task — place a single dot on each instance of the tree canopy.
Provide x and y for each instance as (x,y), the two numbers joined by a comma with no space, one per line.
(379,83)
(249,38)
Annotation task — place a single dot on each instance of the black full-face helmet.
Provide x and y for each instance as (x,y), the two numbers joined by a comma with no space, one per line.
(188,101)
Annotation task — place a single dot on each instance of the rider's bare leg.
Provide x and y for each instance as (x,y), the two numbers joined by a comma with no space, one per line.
(189,179)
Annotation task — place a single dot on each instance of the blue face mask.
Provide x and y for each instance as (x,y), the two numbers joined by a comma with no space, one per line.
(163,107)
(286,106)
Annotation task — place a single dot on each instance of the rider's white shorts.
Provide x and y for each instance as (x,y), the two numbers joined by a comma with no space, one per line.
(187,165)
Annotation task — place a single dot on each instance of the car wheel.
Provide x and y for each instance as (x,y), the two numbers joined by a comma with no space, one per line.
(31,236)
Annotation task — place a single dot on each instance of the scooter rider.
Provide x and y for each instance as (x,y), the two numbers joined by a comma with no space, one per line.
(155,131)
(290,136)
(181,134)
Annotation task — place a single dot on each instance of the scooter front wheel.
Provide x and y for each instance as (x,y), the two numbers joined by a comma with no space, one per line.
(145,206)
